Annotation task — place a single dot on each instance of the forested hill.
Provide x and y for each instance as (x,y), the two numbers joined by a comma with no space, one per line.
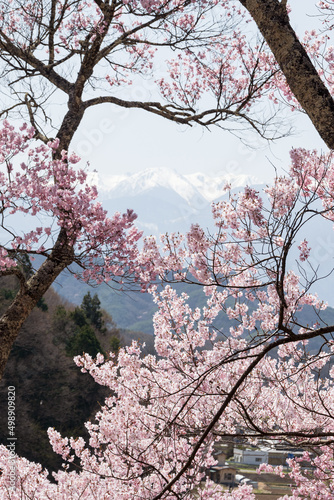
(50,388)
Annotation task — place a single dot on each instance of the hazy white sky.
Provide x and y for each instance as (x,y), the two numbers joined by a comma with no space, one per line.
(119,141)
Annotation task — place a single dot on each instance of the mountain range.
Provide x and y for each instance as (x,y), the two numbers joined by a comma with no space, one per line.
(187,186)
(166,201)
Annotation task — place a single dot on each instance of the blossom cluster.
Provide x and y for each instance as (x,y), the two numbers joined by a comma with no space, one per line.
(53,189)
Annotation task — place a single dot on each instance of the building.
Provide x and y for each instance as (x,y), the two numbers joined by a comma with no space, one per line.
(274,454)
(223,474)
(250,456)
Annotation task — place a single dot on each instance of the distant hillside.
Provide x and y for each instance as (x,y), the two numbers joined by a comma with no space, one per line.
(135,310)
(131,310)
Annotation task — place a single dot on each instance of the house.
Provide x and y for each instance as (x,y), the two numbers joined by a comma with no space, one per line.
(250,456)
(274,454)
(223,474)
(220,456)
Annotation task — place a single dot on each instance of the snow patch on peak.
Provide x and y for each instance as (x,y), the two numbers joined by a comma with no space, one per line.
(212,188)
(195,189)
(149,179)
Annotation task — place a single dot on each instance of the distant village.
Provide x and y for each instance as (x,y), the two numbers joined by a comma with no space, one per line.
(234,460)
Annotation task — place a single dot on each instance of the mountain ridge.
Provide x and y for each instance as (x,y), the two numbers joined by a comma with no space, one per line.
(197,186)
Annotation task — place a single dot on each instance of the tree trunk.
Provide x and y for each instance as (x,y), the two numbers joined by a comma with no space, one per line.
(273,22)
(61,256)
(28,296)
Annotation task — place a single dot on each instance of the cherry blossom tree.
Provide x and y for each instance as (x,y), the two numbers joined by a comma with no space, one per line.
(208,67)
(306,63)
(82,54)
(262,379)
(89,52)
(79,232)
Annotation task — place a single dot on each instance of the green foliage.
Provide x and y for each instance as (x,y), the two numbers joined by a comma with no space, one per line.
(91,306)
(79,317)
(76,330)
(60,315)
(63,326)
(8,294)
(84,341)
(52,390)
(42,305)
(115,344)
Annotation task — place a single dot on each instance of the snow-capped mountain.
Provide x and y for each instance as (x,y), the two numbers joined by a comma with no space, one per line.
(149,179)
(212,188)
(165,200)
(190,187)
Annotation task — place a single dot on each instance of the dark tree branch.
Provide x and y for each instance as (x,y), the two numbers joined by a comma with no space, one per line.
(302,77)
